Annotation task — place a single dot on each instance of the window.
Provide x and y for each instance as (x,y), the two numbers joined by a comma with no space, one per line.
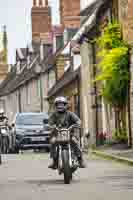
(30,119)
(59,42)
(39,88)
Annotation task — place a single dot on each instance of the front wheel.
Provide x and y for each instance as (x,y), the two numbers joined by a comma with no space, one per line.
(66,167)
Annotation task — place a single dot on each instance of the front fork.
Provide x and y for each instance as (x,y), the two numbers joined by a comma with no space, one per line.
(60,163)
(70,156)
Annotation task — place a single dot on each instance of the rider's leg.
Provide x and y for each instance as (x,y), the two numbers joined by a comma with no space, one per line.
(53,156)
(76,147)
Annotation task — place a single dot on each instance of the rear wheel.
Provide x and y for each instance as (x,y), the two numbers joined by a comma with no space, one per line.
(66,167)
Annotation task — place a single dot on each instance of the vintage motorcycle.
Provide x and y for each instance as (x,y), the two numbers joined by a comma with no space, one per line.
(67,162)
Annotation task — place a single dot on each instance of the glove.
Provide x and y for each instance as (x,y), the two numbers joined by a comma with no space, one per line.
(53,140)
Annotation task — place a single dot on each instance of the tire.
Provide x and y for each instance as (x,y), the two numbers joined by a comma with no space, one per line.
(0,160)
(66,167)
(16,150)
(47,149)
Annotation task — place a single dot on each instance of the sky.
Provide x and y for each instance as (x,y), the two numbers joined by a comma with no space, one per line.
(16,15)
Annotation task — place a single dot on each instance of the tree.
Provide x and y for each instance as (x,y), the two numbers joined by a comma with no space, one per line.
(113,70)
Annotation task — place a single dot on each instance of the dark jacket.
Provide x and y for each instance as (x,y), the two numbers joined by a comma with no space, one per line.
(64,119)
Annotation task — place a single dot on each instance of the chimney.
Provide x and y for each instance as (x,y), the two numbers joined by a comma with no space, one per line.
(41,20)
(69,13)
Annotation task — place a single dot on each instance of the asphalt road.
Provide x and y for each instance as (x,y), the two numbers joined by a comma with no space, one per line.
(26,177)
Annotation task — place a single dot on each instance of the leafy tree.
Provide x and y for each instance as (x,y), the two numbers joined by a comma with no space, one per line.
(113,69)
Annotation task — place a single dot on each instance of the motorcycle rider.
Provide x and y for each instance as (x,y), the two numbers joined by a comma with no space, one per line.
(3,118)
(65,118)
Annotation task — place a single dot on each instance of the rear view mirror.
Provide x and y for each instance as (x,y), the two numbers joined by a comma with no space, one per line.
(13,125)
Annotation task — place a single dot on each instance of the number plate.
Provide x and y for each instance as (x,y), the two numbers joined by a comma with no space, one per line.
(38,139)
(63,137)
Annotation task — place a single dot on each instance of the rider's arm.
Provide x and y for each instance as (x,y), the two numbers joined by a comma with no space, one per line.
(75,119)
(52,122)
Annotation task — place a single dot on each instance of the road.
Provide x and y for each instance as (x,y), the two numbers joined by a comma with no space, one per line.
(26,177)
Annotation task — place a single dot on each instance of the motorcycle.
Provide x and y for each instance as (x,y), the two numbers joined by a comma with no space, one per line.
(67,162)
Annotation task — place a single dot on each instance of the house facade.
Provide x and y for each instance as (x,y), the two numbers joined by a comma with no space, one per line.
(98,118)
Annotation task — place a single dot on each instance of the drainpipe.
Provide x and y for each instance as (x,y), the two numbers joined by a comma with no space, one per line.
(129,106)
(41,95)
(78,87)
(95,93)
(19,101)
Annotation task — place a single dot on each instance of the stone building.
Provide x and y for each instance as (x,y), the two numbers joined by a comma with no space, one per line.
(126,18)
(94,16)
(26,85)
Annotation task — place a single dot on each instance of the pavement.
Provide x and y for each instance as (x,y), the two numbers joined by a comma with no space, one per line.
(26,177)
(117,152)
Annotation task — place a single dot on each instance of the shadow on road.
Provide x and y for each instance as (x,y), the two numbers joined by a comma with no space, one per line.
(123,181)
(49,182)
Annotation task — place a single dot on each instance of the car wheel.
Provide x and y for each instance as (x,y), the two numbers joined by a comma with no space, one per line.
(16,150)
(47,149)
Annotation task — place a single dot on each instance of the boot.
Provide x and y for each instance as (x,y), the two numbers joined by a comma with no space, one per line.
(53,165)
(81,162)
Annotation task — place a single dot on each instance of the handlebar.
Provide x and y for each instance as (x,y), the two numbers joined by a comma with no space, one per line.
(70,128)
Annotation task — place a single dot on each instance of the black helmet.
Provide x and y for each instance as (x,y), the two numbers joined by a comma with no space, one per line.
(61,104)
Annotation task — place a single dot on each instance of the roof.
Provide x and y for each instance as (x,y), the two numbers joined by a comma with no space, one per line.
(86,11)
(66,79)
(14,80)
(92,10)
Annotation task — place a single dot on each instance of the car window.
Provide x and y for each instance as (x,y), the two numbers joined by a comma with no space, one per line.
(30,119)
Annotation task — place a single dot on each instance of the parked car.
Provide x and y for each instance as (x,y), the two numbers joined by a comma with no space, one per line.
(31,131)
